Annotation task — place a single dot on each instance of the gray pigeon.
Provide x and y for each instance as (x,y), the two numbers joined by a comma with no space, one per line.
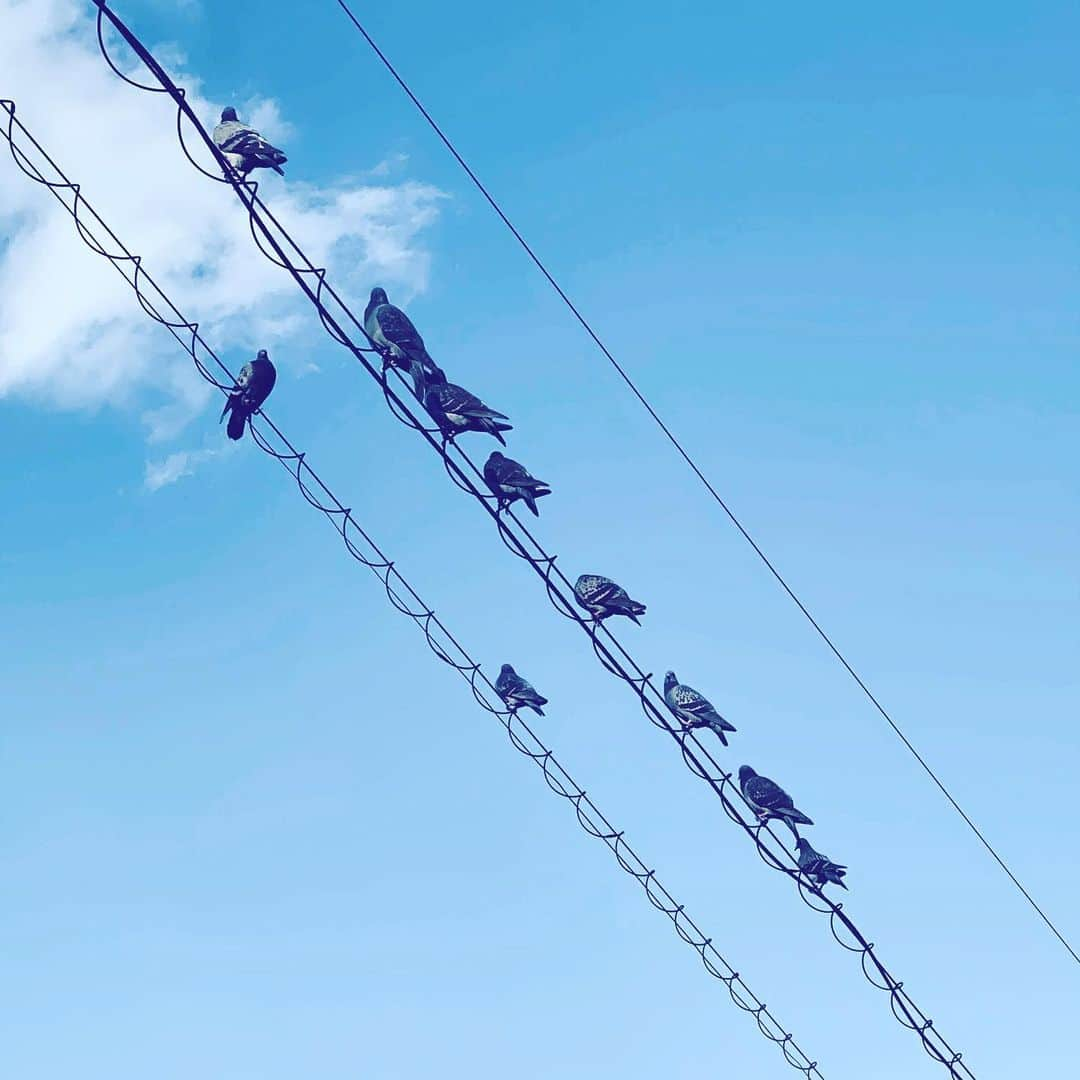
(253,386)
(692,709)
(455,410)
(244,148)
(601,597)
(398,340)
(770,800)
(510,481)
(516,691)
(820,870)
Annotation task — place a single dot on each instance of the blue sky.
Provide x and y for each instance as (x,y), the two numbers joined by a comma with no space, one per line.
(252,828)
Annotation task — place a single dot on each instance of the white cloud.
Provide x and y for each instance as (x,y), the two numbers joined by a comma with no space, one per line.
(159,474)
(71,333)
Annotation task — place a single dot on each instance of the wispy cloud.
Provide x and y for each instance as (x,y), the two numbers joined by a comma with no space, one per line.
(183,463)
(71,334)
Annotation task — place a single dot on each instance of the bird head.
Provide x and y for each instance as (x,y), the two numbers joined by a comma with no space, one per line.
(746,773)
(228,113)
(669,681)
(378,296)
(495,458)
(261,355)
(506,669)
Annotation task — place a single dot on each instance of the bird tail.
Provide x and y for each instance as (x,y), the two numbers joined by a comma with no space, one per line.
(720,725)
(536,703)
(634,609)
(237,416)
(237,422)
(278,169)
(493,427)
(529,499)
(797,815)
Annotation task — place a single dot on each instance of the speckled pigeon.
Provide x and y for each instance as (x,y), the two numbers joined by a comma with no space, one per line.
(510,482)
(253,386)
(601,597)
(244,148)
(819,869)
(770,800)
(516,691)
(692,709)
(455,410)
(398,340)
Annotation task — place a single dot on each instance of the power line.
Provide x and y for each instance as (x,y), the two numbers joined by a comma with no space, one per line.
(399,591)
(684,454)
(520,541)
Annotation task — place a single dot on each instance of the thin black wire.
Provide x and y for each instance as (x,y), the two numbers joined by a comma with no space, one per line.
(439,638)
(701,476)
(518,539)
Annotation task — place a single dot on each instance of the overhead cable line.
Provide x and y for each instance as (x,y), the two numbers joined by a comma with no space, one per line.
(709,486)
(517,538)
(401,594)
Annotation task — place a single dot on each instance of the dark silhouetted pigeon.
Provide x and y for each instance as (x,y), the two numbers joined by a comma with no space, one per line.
(819,869)
(398,340)
(770,800)
(510,482)
(692,709)
(253,386)
(601,597)
(455,410)
(516,691)
(244,148)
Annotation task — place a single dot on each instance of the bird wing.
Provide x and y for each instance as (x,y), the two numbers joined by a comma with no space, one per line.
(397,328)
(762,791)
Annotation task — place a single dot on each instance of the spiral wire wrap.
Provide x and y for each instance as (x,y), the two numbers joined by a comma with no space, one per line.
(272,239)
(402,596)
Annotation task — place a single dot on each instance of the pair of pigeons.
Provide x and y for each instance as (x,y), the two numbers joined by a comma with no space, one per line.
(769,800)
(452,407)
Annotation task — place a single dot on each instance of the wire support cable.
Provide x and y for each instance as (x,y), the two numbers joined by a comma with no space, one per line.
(708,485)
(272,239)
(101,239)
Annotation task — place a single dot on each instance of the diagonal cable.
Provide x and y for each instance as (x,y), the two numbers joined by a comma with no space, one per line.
(100,238)
(272,239)
(709,487)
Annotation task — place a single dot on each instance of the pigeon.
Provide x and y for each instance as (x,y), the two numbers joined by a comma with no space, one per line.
(770,800)
(692,709)
(253,386)
(516,691)
(601,597)
(244,148)
(510,482)
(398,340)
(820,870)
(455,410)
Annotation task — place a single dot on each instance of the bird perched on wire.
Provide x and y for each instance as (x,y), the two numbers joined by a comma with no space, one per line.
(510,481)
(516,691)
(253,386)
(398,340)
(455,410)
(819,869)
(770,800)
(601,597)
(244,148)
(692,709)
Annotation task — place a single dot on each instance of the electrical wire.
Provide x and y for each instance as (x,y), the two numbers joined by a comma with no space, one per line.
(709,487)
(523,544)
(403,597)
